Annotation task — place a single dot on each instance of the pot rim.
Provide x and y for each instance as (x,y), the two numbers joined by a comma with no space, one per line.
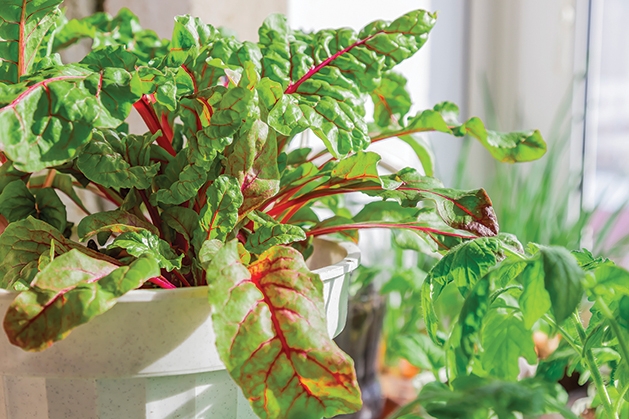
(327,273)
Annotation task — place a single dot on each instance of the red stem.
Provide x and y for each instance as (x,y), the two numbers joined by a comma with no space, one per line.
(155,218)
(107,193)
(344,227)
(146,111)
(182,278)
(3,158)
(292,87)
(162,282)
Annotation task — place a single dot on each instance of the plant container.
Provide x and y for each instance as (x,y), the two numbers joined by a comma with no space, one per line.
(152,355)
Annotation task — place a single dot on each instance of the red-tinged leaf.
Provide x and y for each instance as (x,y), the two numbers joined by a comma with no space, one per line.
(271,334)
(71,290)
(254,163)
(21,245)
(463,210)
(467,210)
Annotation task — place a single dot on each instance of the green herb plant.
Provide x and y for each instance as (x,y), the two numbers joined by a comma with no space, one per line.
(507,293)
(209,195)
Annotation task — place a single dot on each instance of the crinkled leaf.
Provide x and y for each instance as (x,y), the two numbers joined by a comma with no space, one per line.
(253,161)
(191,32)
(219,215)
(466,264)
(464,210)
(328,70)
(391,99)
(272,336)
(116,222)
(23,28)
(71,290)
(45,120)
(504,340)
(269,233)
(143,242)
(115,160)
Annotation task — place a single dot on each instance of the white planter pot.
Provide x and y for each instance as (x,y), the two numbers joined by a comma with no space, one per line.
(151,356)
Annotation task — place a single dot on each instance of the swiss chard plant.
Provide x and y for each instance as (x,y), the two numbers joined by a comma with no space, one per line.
(215,193)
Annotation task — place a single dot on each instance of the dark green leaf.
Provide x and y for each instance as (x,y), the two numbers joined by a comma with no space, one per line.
(50,208)
(563,280)
(17,202)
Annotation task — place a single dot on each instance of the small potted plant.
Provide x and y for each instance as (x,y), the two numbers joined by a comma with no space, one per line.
(213,202)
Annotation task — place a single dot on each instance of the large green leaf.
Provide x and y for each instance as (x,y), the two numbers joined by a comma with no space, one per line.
(328,71)
(219,215)
(44,120)
(505,339)
(23,28)
(272,336)
(71,290)
(253,161)
(464,210)
(115,160)
(51,209)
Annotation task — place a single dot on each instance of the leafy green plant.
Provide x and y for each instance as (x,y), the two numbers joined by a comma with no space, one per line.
(210,195)
(507,292)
